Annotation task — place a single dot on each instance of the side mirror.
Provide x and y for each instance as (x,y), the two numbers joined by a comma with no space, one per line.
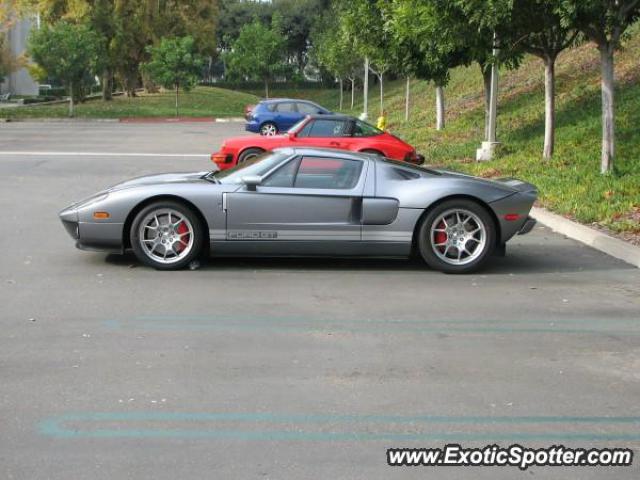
(292,135)
(252,181)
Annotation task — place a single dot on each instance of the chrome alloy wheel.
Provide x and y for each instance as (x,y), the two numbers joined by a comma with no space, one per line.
(458,236)
(166,236)
(269,130)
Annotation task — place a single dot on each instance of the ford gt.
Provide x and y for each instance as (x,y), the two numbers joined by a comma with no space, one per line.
(306,202)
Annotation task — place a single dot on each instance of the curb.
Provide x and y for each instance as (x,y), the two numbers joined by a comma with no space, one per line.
(180,120)
(600,241)
(125,120)
(59,120)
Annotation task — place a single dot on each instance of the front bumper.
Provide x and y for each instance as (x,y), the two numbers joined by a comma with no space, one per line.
(101,236)
(222,160)
(252,126)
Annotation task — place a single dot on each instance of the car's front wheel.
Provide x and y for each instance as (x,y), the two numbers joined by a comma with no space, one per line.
(457,236)
(268,129)
(166,235)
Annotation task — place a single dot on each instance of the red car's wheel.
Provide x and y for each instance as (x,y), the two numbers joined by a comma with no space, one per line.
(249,154)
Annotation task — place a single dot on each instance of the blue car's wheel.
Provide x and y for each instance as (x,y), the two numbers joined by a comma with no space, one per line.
(268,129)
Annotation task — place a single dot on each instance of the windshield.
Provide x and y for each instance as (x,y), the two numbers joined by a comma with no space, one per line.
(297,126)
(256,166)
(364,129)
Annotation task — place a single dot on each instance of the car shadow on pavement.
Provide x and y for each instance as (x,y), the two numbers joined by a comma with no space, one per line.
(520,259)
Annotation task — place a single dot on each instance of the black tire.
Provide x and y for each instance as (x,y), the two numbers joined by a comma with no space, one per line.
(268,128)
(427,250)
(249,153)
(196,247)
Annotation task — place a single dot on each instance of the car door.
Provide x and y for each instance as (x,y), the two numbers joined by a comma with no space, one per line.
(286,115)
(312,199)
(325,132)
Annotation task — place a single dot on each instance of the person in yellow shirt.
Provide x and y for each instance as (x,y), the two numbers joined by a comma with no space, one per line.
(382,121)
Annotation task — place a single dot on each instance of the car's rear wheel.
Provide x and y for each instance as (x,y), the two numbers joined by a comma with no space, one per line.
(249,154)
(457,236)
(166,235)
(268,129)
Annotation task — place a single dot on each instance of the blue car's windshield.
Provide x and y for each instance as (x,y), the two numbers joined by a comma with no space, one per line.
(256,166)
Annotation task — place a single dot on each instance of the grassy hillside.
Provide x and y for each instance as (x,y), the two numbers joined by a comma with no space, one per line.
(200,102)
(570,184)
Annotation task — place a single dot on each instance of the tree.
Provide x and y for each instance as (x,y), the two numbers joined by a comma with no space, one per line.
(362,25)
(127,27)
(257,54)
(235,14)
(483,25)
(66,51)
(603,22)
(298,18)
(429,42)
(332,51)
(544,35)
(174,63)
(7,61)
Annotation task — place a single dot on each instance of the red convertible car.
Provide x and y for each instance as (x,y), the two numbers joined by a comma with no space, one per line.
(330,131)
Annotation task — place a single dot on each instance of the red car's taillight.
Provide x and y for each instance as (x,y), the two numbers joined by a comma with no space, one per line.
(413,157)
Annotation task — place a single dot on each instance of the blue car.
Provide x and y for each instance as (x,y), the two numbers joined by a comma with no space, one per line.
(274,116)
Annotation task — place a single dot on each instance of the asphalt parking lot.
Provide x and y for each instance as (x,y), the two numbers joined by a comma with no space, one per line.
(288,369)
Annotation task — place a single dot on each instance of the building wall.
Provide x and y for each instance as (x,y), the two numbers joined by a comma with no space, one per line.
(19,82)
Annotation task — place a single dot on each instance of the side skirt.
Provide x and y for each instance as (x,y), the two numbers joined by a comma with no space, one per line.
(266,248)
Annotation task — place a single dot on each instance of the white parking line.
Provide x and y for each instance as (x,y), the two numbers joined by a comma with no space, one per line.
(101,154)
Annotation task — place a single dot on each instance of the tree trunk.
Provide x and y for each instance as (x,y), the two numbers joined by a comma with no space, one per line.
(177,94)
(107,85)
(266,88)
(439,107)
(366,87)
(486,78)
(406,100)
(353,88)
(341,93)
(71,103)
(549,106)
(608,118)
(381,78)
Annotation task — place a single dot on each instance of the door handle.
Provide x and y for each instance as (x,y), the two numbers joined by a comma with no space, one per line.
(334,144)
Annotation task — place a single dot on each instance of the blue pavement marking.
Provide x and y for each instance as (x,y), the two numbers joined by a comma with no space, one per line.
(629,326)
(298,430)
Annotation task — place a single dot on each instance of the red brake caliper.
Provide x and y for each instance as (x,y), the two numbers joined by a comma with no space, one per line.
(182,228)
(440,237)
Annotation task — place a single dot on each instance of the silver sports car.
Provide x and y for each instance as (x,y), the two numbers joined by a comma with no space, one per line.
(307,202)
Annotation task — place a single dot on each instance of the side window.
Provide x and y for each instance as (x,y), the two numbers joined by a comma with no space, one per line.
(286,107)
(271,107)
(328,128)
(307,108)
(284,176)
(328,173)
(363,129)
